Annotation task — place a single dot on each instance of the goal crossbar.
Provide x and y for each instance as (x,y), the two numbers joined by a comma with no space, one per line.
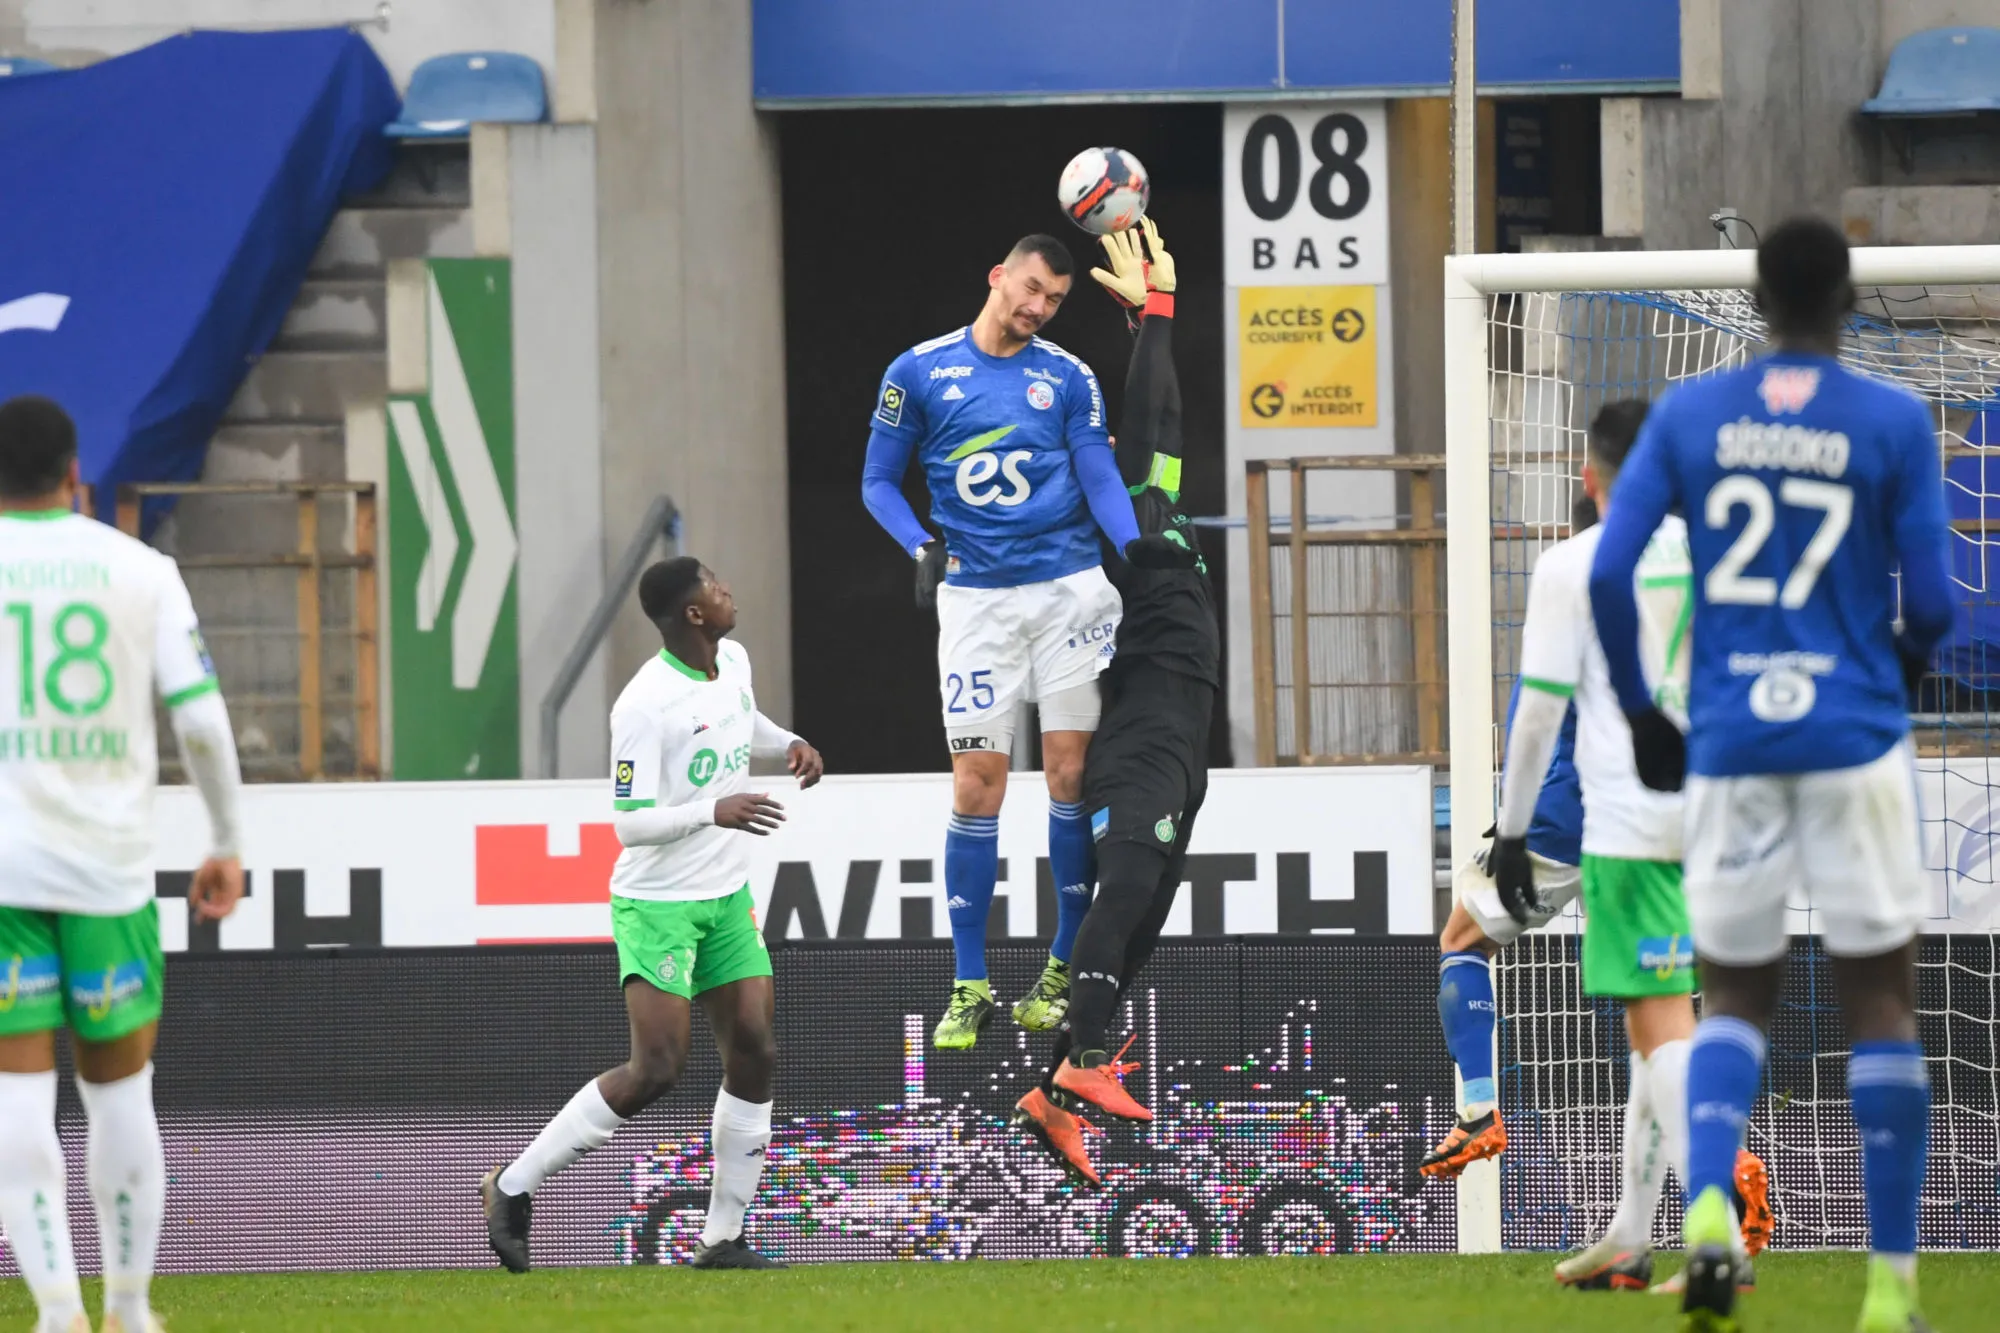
(1469,280)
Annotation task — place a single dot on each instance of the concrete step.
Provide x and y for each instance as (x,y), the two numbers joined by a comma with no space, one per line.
(361,241)
(336,314)
(309,386)
(277,451)
(1921,214)
(425,174)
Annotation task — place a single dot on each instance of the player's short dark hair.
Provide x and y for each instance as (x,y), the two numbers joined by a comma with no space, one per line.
(1582,514)
(1052,251)
(1614,430)
(37,442)
(1802,276)
(667,587)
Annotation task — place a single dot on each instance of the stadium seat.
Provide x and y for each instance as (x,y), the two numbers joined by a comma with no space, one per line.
(1941,72)
(16,67)
(449,94)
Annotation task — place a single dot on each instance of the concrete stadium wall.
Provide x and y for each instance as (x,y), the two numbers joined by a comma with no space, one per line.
(1767,125)
(690,311)
(74,32)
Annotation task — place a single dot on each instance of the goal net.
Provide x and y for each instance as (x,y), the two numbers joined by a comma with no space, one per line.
(1536,344)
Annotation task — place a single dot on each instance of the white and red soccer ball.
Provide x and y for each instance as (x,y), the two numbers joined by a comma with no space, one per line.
(1103,190)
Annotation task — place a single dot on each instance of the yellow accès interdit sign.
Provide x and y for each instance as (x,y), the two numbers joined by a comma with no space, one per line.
(1307,356)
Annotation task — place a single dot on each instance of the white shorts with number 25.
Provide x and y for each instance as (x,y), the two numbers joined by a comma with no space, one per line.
(1041,642)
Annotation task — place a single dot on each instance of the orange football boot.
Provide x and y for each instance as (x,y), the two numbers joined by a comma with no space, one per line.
(1753,1193)
(1058,1131)
(1469,1141)
(1103,1086)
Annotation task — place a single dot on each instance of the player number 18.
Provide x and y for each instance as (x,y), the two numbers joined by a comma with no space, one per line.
(80,631)
(1727,583)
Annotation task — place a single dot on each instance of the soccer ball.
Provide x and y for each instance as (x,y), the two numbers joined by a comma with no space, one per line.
(1104,190)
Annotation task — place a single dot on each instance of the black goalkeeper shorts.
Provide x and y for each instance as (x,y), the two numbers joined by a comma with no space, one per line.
(1148,764)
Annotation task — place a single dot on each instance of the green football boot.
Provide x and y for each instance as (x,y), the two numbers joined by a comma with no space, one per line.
(1043,1007)
(971,1009)
(1708,1300)
(1891,1303)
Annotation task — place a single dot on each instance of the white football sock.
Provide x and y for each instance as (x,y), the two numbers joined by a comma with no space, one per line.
(585,1122)
(1642,1162)
(34,1207)
(1668,1077)
(739,1134)
(127,1168)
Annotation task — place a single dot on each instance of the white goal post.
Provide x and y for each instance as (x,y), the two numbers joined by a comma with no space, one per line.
(1533,343)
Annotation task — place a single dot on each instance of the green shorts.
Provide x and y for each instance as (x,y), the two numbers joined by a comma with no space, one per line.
(100,976)
(1636,939)
(685,948)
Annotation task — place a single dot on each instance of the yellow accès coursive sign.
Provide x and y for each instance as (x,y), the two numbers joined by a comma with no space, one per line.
(1307,356)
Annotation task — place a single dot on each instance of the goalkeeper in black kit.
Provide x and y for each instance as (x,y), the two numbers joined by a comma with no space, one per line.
(1147,769)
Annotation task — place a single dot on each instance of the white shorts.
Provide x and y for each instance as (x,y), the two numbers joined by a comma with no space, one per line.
(999,648)
(1844,842)
(1476,892)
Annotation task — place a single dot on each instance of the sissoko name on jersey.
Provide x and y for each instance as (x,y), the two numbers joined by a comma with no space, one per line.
(994,436)
(1804,485)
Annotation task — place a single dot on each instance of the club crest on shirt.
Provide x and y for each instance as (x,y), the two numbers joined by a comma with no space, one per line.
(1040,396)
(1787,389)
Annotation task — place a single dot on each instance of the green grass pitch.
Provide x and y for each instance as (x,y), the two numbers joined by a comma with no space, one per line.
(1500,1292)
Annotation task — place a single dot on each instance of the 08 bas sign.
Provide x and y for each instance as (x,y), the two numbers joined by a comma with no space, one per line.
(1305,194)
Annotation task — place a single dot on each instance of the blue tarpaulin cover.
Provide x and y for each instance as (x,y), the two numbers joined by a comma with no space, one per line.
(157,213)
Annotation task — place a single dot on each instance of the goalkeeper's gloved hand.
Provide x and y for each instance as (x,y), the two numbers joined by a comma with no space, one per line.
(1158,552)
(1514,876)
(1659,751)
(1160,275)
(930,572)
(1126,280)
(1916,665)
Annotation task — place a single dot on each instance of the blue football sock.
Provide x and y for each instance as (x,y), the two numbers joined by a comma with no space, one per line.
(1070,856)
(1891,1094)
(971,866)
(1465,1007)
(1724,1069)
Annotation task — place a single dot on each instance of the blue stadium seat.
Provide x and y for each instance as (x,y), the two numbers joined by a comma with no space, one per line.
(449,94)
(15,67)
(1441,808)
(1941,72)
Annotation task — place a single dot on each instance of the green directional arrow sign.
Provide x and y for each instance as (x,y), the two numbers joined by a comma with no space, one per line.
(454,651)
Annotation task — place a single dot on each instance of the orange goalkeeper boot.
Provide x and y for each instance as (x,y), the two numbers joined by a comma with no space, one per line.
(1102,1084)
(1058,1131)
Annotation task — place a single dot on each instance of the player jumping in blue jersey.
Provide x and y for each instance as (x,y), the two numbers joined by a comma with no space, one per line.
(1806,488)
(1010,431)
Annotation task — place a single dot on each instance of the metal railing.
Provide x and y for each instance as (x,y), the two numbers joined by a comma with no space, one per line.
(285,708)
(662,521)
(1350,627)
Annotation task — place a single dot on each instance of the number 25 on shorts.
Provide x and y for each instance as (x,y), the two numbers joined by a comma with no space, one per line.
(974,689)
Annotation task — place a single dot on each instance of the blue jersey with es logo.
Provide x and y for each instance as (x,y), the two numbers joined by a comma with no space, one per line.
(994,436)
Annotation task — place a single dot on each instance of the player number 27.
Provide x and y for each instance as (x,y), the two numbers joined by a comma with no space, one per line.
(1727,583)
(982,691)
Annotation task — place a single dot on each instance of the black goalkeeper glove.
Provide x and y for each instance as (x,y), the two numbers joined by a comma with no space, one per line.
(930,573)
(1514,876)
(1659,751)
(1158,552)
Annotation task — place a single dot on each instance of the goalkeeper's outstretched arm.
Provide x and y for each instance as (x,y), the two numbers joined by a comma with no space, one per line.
(1149,436)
